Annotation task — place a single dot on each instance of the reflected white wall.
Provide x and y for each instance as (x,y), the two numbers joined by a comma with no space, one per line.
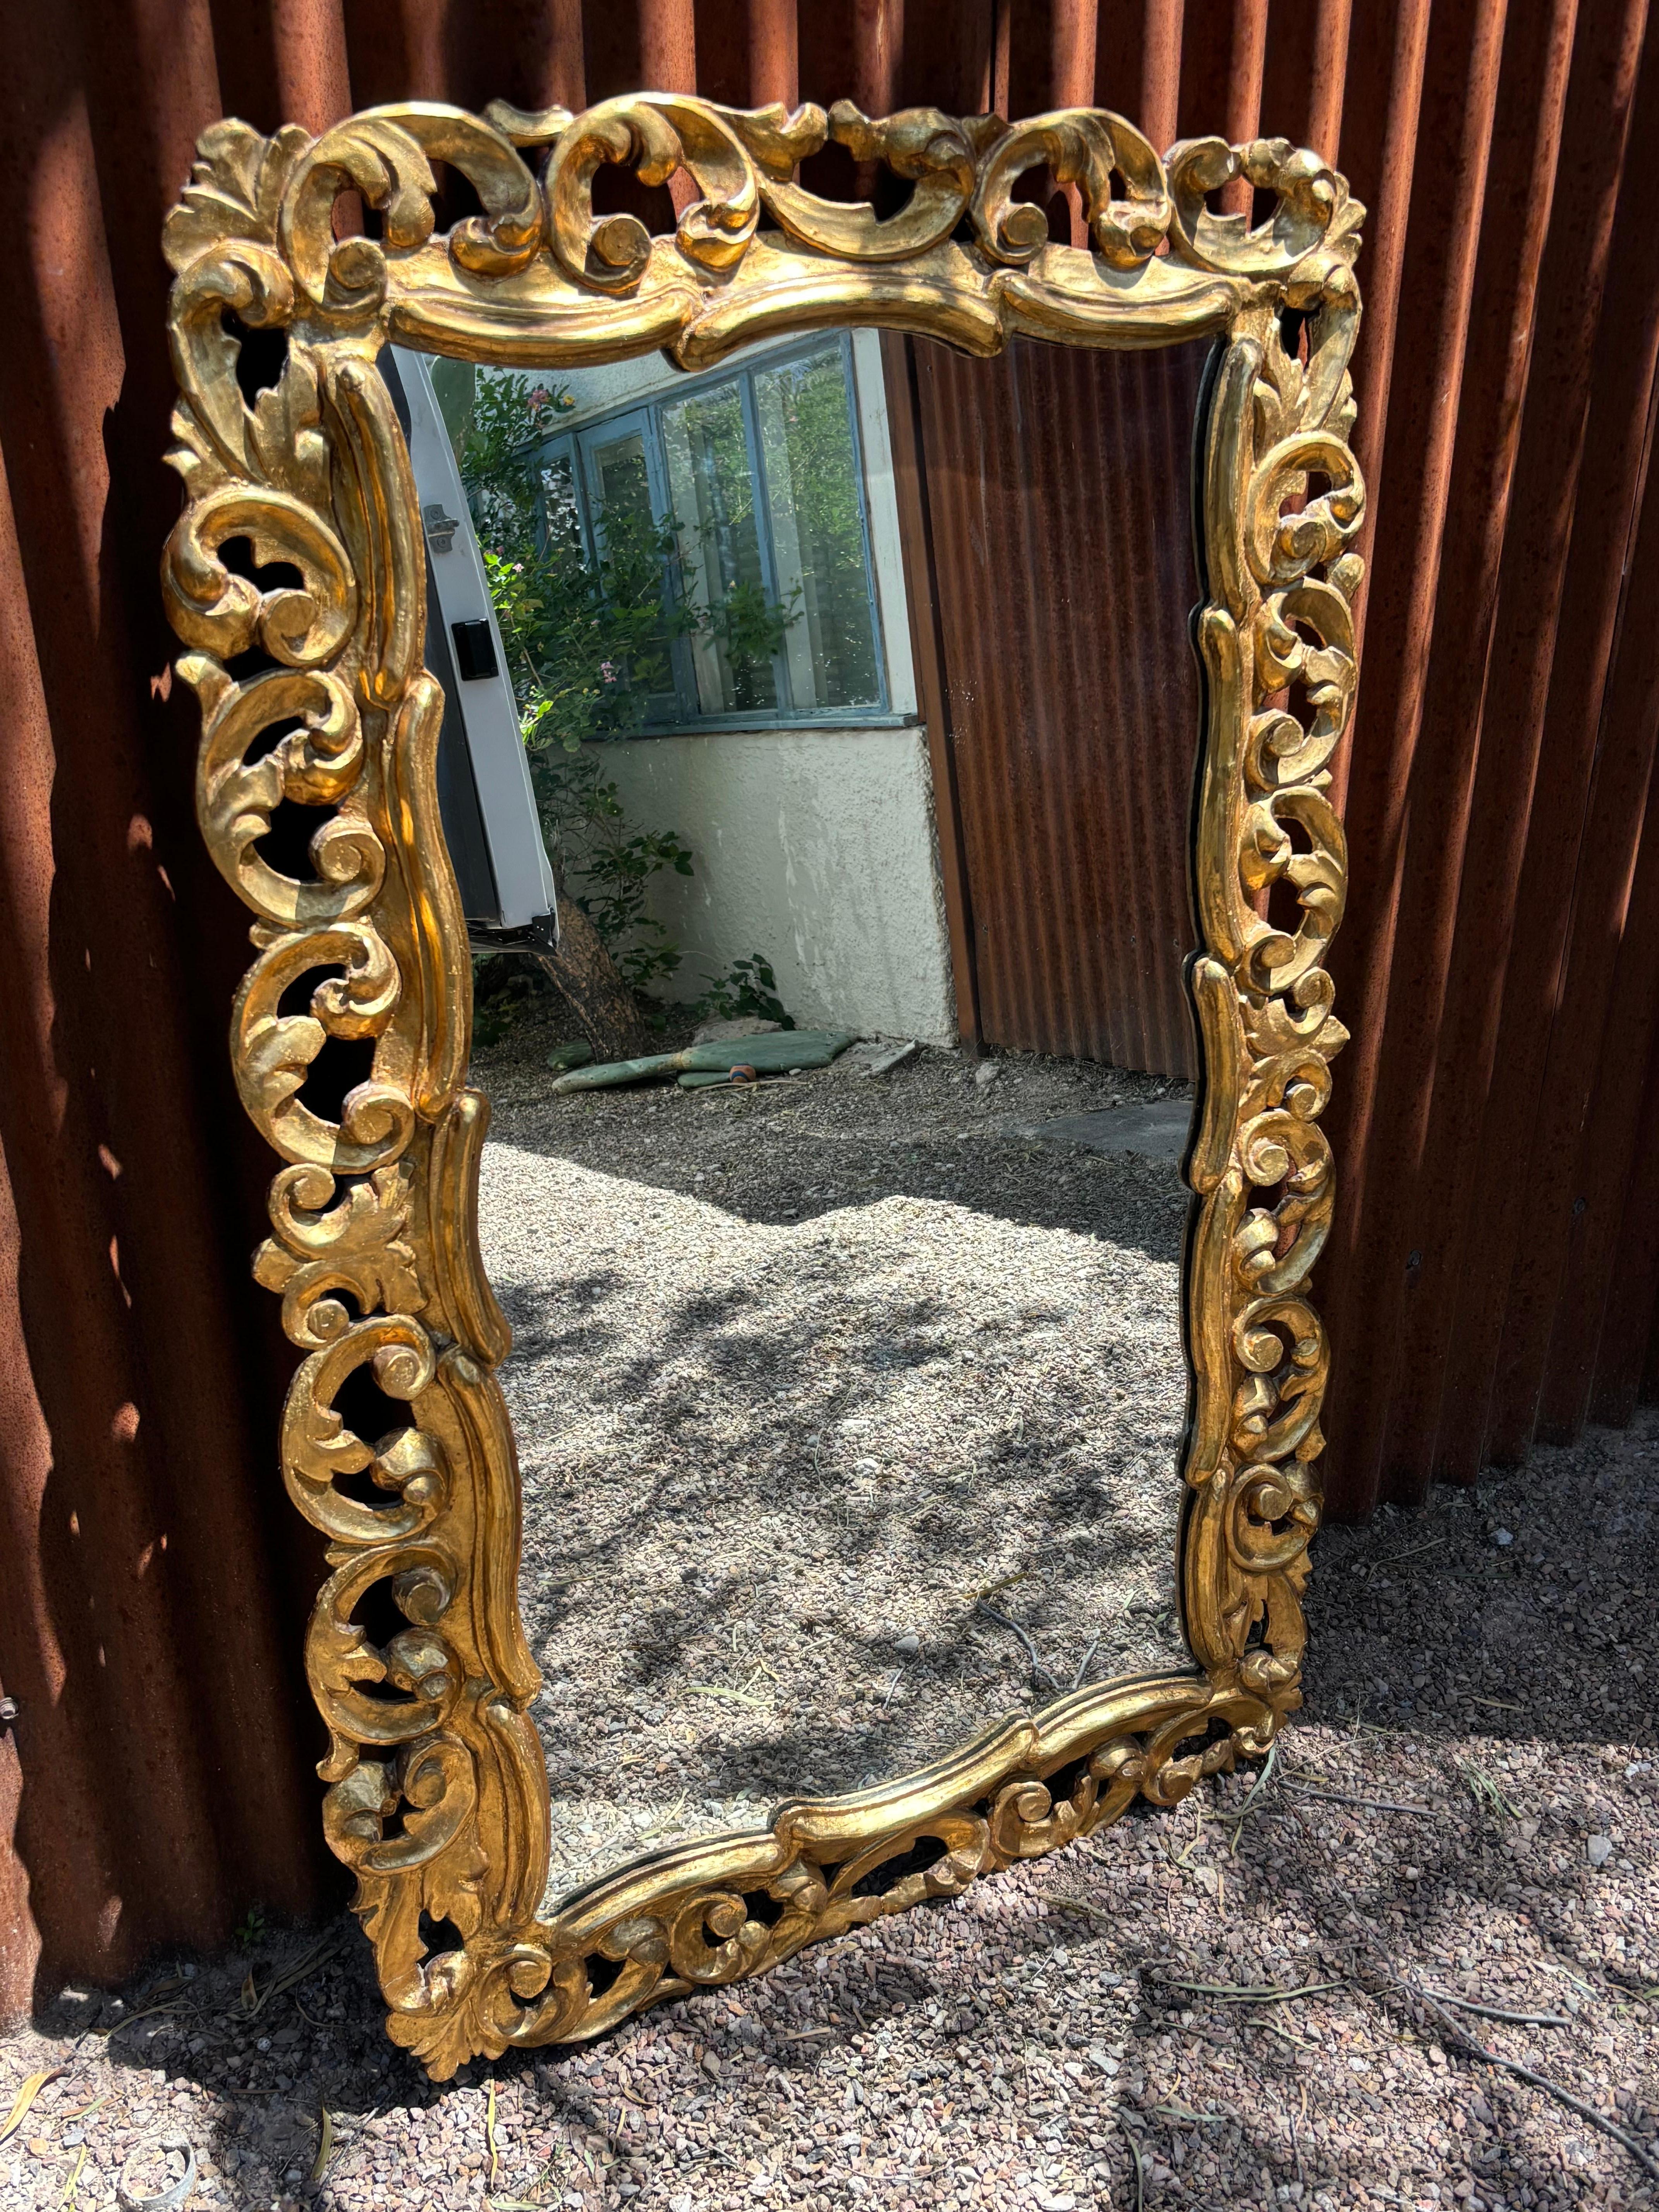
(814,847)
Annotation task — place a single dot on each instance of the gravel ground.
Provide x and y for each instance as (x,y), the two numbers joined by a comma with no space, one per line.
(1009,2048)
(802,1378)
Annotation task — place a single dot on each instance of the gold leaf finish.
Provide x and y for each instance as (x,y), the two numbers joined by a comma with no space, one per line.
(436,1787)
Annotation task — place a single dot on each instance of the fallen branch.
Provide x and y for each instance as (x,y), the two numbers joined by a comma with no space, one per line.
(1461,2035)
(1127,2122)
(1040,1668)
(1497,2012)
(1371,1804)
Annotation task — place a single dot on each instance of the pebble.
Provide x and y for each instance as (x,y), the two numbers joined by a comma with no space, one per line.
(908,1645)
(1599,1850)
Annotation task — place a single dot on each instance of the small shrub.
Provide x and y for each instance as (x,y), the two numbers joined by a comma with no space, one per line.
(749,988)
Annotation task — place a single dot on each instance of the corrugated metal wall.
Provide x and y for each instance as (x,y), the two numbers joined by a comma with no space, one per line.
(1061,548)
(1494,1269)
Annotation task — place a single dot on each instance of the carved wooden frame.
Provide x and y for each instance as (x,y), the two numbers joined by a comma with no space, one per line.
(437,1793)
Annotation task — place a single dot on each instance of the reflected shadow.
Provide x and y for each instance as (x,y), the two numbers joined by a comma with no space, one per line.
(809,1500)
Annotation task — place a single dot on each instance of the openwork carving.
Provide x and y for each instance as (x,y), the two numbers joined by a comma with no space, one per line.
(313,693)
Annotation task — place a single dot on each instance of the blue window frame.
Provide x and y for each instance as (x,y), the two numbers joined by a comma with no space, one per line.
(759,472)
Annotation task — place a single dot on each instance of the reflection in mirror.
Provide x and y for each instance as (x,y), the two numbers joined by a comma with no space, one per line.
(849,1402)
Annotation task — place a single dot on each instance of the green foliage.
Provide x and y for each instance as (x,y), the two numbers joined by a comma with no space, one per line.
(253,1931)
(588,643)
(748,987)
(749,625)
(614,865)
(587,640)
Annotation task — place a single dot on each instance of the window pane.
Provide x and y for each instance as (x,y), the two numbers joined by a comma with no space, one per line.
(817,529)
(711,495)
(630,546)
(621,479)
(560,507)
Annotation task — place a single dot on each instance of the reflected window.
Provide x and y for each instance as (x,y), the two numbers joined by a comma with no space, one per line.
(755,484)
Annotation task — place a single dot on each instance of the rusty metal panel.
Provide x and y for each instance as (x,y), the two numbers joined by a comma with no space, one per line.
(1494,1271)
(152,1577)
(1484,929)
(1058,486)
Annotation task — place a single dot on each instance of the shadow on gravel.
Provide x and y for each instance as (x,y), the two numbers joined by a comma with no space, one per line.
(1521,1609)
(785,1153)
(1055,2000)
(733,1385)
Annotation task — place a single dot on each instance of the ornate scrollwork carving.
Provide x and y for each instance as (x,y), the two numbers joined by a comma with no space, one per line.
(1085,148)
(937,153)
(437,1792)
(360,1246)
(225,614)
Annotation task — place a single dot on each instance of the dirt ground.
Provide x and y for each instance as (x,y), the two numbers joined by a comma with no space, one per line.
(1479,1731)
(810,1382)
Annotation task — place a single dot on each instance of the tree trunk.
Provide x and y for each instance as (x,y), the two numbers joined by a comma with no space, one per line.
(594,988)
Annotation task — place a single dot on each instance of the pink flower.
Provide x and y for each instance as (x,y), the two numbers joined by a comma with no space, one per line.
(607,669)
(538,399)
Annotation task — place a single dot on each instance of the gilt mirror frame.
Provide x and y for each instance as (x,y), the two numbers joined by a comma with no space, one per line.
(437,1795)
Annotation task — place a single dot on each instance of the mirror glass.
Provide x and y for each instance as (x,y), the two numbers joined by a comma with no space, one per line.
(848,1398)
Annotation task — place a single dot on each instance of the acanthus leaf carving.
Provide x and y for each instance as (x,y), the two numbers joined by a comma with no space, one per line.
(359,1245)
(235,191)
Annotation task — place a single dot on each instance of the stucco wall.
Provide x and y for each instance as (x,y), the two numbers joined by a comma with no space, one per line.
(813,847)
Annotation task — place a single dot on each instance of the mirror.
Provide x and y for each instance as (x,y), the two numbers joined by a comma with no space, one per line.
(853,676)
(849,1402)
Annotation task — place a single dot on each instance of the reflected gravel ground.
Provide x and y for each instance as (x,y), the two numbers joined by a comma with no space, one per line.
(775,1469)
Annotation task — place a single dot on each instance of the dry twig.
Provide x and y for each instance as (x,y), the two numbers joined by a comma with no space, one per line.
(1262,1993)
(1254,1803)
(1040,1671)
(1487,1795)
(1497,2012)
(1370,1804)
(1461,2035)
(1128,2121)
(255,2000)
